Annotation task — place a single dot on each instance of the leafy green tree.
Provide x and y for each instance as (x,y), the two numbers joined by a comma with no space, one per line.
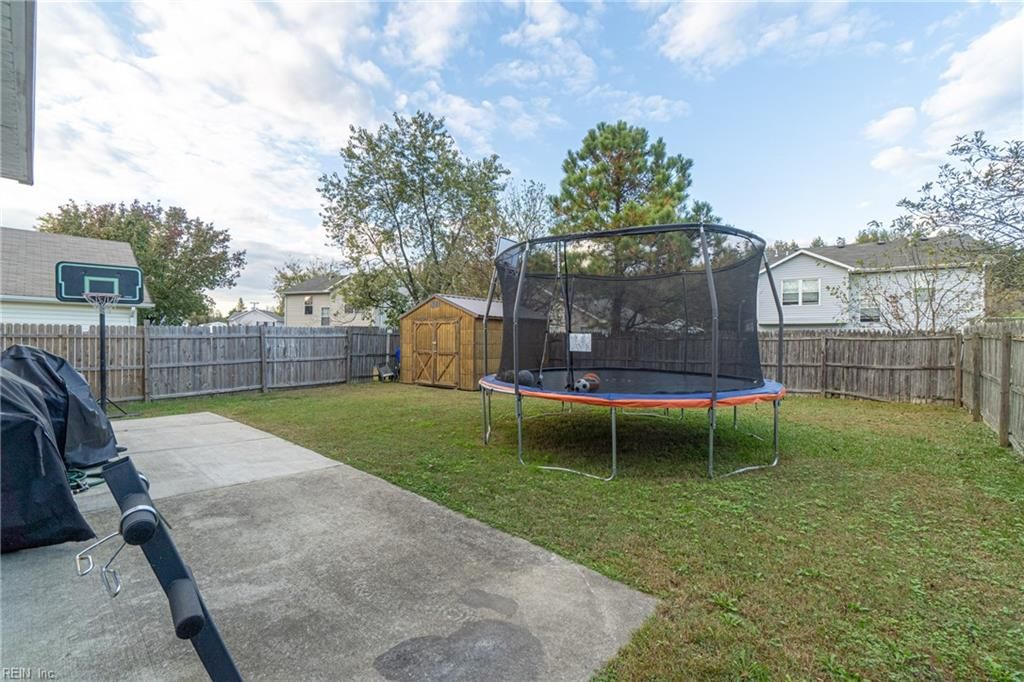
(978,196)
(412,214)
(817,243)
(525,211)
(240,307)
(212,314)
(874,233)
(779,249)
(620,178)
(296,270)
(181,257)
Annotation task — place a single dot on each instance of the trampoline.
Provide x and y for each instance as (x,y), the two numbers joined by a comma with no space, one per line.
(655,317)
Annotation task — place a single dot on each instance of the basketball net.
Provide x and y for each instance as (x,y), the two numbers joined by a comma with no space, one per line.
(101,300)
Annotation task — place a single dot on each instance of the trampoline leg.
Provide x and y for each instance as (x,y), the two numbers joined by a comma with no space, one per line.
(615,448)
(734,416)
(775,445)
(519,427)
(483,411)
(711,442)
(485,398)
(775,430)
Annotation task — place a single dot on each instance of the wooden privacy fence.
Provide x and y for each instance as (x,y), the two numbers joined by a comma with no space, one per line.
(993,387)
(152,362)
(911,367)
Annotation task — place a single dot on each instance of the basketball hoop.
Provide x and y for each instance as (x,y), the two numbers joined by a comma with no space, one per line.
(101,300)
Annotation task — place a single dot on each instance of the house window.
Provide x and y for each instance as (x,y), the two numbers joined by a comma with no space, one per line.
(801,291)
(307,305)
(870,313)
(325,316)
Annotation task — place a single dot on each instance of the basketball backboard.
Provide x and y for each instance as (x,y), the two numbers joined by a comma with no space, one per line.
(75,280)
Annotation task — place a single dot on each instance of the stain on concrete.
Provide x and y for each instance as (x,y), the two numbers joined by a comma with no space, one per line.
(481,650)
(480,599)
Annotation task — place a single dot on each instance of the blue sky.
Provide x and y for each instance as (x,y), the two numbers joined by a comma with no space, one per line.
(801,119)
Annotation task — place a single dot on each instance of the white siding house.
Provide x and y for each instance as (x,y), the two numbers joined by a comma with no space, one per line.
(900,286)
(316,303)
(28,261)
(255,318)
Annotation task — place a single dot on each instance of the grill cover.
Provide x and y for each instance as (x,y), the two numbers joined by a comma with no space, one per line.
(38,508)
(82,430)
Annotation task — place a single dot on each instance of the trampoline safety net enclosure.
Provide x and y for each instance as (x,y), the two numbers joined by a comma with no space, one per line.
(658,316)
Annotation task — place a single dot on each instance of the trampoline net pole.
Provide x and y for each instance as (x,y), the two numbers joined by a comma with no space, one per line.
(713,296)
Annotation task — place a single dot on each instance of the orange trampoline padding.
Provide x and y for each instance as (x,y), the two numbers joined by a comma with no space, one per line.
(769,392)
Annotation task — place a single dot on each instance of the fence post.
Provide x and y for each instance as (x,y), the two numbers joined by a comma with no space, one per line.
(1004,390)
(147,394)
(976,379)
(824,365)
(348,355)
(958,370)
(263,358)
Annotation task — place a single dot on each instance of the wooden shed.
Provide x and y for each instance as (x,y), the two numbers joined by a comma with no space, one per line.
(442,341)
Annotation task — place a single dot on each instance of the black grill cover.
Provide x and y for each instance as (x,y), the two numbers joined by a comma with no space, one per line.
(38,508)
(83,432)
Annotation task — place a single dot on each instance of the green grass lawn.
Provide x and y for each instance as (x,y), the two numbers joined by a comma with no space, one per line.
(888,544)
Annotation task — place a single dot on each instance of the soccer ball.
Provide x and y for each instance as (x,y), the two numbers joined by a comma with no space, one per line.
(588,383)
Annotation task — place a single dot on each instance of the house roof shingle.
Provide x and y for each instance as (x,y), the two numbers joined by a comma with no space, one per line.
(28,260)
(268,313)
(899,253)
(315,285)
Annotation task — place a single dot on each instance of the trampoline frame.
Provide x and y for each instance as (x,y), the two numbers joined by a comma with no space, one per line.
(561,240)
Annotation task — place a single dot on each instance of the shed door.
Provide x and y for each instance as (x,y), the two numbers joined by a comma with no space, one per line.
(436,352)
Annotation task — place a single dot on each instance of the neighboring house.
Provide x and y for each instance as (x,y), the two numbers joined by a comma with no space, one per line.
(255,318)
(923,285)
(28,262)
(316,303)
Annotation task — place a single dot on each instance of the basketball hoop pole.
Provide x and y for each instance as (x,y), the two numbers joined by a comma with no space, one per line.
(103,358)
(100,301)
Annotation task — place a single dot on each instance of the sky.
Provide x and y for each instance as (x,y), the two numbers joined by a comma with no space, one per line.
(801,119)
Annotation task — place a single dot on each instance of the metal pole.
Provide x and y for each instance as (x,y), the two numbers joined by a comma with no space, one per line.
(103,358)
(515,350)
(778,308)
(564,277)
(487,310)
(615,448)
(709,272)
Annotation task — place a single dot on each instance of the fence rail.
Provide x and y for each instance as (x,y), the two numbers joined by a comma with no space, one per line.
(153,362)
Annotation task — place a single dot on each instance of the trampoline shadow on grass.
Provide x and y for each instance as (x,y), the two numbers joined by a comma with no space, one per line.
(651,444)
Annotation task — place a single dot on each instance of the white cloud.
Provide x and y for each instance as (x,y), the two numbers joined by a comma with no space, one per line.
(895,124)
(981,89)
(223,109)
(705,38)
(554,56)
(422,34)
(634,107)
(892,159)
(905,47)
(473,124)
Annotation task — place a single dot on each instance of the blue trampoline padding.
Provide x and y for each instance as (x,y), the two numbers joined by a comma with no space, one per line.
(769,392)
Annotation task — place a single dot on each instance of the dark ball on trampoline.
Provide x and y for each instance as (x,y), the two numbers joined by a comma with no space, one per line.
(526,378)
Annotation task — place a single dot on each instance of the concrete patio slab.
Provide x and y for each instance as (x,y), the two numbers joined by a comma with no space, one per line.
(328,573)
(191,452)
